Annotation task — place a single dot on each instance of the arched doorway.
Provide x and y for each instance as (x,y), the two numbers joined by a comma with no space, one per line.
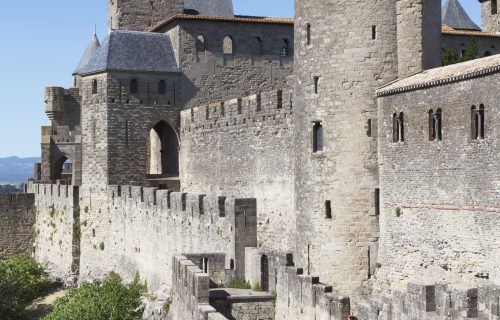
(264,273)
(63,170)
(164,151)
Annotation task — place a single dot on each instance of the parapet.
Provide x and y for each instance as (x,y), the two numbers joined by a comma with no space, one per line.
(54,190)
(191,291)
(16,199)
(54,102)
(269,105)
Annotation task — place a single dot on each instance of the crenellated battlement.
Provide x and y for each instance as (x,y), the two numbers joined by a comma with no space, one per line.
(55,100)
(270,105)
(55,191)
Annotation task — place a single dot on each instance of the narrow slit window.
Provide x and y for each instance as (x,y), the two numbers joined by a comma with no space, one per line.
(328,209)
(377,202)
(162,87)
(134,86)
(435,125)
(398,127)
(494,7)
(279,99)
(316,83)
(369,128)
(317,137)
(477,122)
(94,86)
(308,34)
(374,32)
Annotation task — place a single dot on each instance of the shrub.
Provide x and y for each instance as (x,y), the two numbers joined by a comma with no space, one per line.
(109,300)
(398,212)
(101,246)
(239,283)
(257,287)
(166,305)
(22,279)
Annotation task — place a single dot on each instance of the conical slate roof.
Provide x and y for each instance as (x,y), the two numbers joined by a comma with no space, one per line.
(454,16)
(211,7)
(88,54)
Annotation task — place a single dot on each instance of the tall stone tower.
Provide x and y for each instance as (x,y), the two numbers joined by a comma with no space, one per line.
(141,15)
(345,49)
(490,15)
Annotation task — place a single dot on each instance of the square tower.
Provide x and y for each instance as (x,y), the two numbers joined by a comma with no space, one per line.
(489,15)
(141,15)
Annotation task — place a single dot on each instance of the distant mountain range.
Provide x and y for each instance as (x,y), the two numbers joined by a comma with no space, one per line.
(14,170)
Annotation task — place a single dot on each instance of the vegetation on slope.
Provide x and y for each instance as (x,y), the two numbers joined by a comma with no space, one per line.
(109,300)
(22,279)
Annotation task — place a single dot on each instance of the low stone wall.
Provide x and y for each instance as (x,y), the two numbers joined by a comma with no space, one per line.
(298,296)
(135,229)
(17,224)
(435,302)
(191,292)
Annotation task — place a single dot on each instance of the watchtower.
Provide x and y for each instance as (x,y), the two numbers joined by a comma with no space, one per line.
(141,15)
(490,15)
(344,51)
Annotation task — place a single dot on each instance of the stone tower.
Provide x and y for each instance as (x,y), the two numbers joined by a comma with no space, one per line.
(141,15)
(490,15)
(344,51)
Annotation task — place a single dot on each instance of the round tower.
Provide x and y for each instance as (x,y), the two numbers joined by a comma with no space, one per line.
(344,51)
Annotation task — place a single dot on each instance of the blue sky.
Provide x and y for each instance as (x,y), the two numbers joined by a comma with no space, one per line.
(42,43)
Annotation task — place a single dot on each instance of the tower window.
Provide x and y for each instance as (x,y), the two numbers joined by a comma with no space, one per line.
(369,127)
(228,46)
(162,87)
(435,125)
(398,127)
(328,209)
(477,122)
(377,202)
(317,137)
(308,34)
(279,98)
(284,51)
(94,86)
(374,32)
(316,82)
(494,9)
(134,86)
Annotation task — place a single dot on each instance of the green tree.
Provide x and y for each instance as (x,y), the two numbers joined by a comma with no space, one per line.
(452,56)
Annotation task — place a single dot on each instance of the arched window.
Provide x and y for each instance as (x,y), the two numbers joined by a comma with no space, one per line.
(94,86)
(162,87)
(398,127)
(163,151)
(317,137)
(228,45)
(435,125)
(201,48)
(134,86)
(284,50)
(477,122)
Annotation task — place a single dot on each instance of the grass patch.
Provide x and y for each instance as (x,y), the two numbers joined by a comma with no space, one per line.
(239,283)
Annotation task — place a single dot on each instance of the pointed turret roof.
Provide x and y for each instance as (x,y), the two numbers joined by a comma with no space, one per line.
(211,7)
(88,54)
(455,16)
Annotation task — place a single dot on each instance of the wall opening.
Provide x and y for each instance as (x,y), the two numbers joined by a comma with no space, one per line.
(62,169)
(279,99)
(284,50)
(317,137)
(398,127)
(494,7)
(316,82)
(369,127)
(374,32)
(328,209)
(134,86)
(164,151)
(377,202)
(228,45)
(308,34)
(231,264)
(201,47)
(264,273)
(162,87)
(477,122)
(94,86)
(204,265)
(435,125)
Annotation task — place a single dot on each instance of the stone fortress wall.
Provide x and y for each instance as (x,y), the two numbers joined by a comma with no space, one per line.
(17,224)
(57,229)
(136,229)
(243,148)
